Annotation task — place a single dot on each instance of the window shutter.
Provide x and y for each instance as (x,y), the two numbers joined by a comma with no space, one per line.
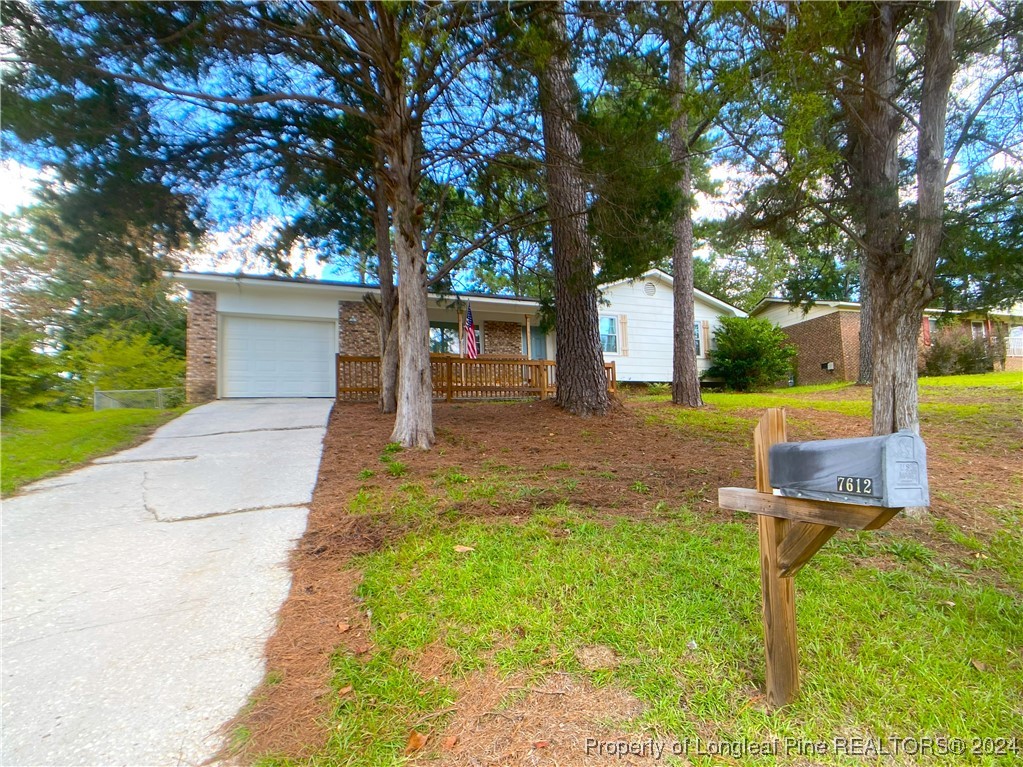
(623,335)
(705,337)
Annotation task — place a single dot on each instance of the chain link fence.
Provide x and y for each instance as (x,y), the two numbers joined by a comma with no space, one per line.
(138,398)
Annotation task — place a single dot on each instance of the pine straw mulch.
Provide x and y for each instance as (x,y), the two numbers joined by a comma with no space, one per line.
(538,446)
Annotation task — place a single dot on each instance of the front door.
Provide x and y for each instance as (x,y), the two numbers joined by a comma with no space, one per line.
(538,343)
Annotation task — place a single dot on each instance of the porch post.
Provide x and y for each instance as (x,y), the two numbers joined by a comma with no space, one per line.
(529,340)
(461,332)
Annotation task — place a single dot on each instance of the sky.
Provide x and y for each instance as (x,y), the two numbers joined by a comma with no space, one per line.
(234,250)
(227,251)
(16,185)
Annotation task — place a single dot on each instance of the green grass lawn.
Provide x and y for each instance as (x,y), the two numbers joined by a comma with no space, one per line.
(1006,380)
(911,632)
(883,651)
(38,443)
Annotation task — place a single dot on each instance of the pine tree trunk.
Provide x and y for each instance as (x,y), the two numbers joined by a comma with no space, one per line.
(866,375)
(582,385)
(685,378)
(388,298)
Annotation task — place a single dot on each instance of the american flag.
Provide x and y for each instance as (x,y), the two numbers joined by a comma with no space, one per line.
(470,335)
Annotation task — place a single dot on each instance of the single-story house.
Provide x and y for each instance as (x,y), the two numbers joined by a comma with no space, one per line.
(270,336)
(637,322)
(827,335)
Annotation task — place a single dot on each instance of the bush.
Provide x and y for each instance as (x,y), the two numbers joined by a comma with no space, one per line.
(750,354)
(119,360)
(27,377)
(954,351)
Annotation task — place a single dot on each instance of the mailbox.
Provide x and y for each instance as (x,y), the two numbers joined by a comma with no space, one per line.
(889,471)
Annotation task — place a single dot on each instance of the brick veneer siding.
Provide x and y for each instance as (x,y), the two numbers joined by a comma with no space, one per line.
(502,339)
(850,329)
(360,338)
(201,347)
(822,340)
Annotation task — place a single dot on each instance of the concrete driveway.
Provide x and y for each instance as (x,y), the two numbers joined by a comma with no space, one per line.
(138,591)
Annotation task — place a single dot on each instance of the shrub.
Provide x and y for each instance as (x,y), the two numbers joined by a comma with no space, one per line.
(27,377)
(749,354)
(954,351)
(119,360)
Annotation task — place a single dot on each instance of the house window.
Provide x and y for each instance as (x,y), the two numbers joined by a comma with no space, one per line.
(932,323)
(979,331)
(609,334)
(696,338)
(1014,343)
(444,338)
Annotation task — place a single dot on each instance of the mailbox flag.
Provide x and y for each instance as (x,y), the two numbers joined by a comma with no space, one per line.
(470,335)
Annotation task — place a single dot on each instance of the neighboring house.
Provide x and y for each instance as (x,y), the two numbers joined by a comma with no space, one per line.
(268,336)
(827,335)
(636,326)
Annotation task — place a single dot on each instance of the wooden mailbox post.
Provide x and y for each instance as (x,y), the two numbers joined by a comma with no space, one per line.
(792,529)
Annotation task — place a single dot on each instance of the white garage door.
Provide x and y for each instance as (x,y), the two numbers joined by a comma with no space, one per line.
(277,358)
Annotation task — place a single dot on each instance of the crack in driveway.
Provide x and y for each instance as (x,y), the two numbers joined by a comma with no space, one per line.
(101,462)
(238,431)
(213,514)
(104,624)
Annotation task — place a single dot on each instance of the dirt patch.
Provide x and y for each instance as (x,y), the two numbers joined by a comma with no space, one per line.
(508,721)
(597,657)
(434,660)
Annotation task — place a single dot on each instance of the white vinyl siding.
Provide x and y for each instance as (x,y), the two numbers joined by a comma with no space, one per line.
(262,357)
(784,314)
(646,347)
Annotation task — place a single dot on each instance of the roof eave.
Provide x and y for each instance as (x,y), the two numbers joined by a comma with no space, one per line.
(707,297)
(205,280)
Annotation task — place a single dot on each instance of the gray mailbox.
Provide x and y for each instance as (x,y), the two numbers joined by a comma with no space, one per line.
(889,471)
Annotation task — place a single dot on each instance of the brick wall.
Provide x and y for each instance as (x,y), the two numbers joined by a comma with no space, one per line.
(502,339)
(360,338)
(850,330)
(201,347)
(819,341)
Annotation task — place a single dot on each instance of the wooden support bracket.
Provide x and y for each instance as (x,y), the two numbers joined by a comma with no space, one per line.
(800,543)
(846,515)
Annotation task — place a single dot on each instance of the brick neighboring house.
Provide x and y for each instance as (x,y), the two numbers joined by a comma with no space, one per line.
(827,335)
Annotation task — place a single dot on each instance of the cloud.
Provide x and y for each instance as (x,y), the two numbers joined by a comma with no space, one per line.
(17,185)
(237,250)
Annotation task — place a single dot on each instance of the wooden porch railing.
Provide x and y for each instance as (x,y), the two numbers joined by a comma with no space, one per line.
(457,378)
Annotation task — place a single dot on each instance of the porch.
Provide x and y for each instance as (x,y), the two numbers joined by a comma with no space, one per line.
(459,378)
